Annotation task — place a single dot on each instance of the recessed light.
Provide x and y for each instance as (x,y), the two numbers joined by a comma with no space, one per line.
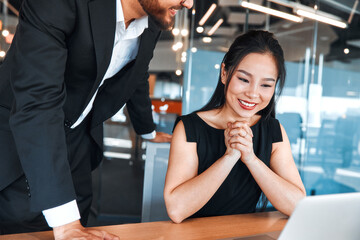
(5,32)
(200,29)
(207,39)
(194,49)
(175,31)
(178,72)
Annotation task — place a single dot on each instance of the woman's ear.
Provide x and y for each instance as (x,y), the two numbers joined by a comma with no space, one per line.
(223,73)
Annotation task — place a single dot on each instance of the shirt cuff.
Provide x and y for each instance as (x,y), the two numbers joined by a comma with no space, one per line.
(61,215)
(149,136)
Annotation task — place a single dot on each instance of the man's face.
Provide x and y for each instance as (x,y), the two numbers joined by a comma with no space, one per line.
(164,11)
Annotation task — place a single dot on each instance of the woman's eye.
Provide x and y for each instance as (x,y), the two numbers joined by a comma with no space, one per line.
(244,80)
(266,85)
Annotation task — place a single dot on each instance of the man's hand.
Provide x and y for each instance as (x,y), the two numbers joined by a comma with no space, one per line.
(161,137)
(75,230)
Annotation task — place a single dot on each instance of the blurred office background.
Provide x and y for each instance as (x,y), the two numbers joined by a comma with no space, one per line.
(319,108)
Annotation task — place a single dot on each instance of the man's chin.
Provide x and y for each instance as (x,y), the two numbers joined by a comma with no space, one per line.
(164,24)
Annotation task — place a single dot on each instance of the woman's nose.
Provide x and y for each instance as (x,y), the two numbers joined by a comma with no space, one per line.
(253,91)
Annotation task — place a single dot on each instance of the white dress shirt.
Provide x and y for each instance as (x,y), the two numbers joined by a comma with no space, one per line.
(126,46)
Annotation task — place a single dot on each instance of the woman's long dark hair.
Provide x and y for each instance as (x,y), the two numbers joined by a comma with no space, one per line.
(254,41)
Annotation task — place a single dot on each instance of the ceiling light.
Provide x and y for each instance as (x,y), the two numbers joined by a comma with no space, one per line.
(174,47)
(346,50)
(179,45)
(183,54)
(178,72)
(353,11)
(271,11)
(200,29)
(2,54)
(217,66)
(175,31)
(5,33)
(194,49)
(184,32)
(312,13)
(207,39)
(207,14)
(320,18)
(215,27)
(183,59)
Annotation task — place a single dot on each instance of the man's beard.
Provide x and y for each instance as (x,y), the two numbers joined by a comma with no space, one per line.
(158,14)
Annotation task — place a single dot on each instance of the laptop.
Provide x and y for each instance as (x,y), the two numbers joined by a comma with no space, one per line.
(323,217)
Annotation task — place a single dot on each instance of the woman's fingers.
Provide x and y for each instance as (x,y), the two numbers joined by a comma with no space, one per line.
(246,141)
(240,137)
(240,128)
(248,129)
(242,132)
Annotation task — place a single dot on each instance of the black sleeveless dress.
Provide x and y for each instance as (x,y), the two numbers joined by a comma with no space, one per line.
(239,193)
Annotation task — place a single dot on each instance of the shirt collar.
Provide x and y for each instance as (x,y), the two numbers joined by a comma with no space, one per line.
(140,23)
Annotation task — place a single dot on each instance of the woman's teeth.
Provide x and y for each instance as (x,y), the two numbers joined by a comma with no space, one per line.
(247,104)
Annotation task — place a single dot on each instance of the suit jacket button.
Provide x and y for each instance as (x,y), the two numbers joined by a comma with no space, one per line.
(67,123)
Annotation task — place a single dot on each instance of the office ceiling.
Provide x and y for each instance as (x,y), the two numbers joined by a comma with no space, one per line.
(294,37)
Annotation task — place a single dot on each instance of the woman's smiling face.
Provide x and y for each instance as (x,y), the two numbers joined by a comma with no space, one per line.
(252,84)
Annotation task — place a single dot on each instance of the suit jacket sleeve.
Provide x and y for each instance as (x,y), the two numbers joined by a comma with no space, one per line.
(139,108)
(39,59)
(139,105)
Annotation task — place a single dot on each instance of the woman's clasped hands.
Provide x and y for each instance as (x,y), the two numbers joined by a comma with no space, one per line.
(239,141)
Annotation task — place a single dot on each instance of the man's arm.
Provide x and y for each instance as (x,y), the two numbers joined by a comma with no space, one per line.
(140,112)
(38,58)
(157,137)
(139,108)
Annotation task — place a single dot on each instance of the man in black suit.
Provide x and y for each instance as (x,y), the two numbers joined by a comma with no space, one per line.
(72,65)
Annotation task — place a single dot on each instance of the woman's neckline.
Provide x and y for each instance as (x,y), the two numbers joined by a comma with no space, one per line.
(219,129)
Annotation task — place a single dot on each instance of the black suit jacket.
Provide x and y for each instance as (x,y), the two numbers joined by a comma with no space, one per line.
(59,55)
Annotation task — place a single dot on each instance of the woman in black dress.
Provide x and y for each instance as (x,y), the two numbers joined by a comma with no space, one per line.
(225,155)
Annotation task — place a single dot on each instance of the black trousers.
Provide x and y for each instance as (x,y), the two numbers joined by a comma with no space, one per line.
(15,214)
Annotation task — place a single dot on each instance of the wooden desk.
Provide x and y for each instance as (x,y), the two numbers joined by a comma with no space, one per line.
(197,228)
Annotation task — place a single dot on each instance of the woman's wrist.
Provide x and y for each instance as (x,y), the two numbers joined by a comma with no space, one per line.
(232,155)
(250,161)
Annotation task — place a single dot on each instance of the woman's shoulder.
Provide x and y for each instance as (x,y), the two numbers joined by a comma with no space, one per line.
(274,129)
(191,125)
(198,118)
(190,118)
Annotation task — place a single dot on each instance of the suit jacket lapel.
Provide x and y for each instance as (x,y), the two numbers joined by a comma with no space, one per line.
(112,97)
(146,47)
(119,91)
(103,24)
